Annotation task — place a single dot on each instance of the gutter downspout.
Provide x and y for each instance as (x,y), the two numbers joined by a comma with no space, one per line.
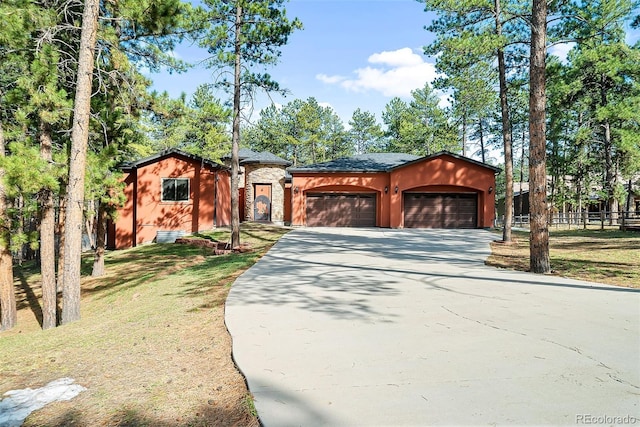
(134,229)
(215,200)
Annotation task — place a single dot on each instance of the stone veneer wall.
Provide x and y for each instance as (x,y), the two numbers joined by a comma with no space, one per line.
(265,174)
(241,173)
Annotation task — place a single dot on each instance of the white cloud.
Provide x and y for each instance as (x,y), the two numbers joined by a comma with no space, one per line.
(325,105)
(404,57)
(392,73)
(561,51)
(330,79)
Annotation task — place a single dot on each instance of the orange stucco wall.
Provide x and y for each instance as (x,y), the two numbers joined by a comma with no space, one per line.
(444,173)
(144,213)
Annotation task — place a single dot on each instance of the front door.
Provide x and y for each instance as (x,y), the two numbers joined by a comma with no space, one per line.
(262,202)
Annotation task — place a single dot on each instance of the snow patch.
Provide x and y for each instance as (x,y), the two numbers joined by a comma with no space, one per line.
(16,406)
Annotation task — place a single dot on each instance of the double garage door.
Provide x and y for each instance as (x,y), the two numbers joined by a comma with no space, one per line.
(435,210)
(341,210)
(421,210)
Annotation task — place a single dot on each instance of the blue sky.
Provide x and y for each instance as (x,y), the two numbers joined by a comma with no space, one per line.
(351,54)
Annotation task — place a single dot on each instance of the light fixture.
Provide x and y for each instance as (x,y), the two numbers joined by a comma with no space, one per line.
(386,190)
(296,189)
(490,190)
(396,189)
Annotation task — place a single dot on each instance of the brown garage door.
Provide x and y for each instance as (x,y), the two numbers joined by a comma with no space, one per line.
(341,210)
(434,210)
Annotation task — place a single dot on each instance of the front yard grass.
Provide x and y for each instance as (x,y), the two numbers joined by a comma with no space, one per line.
(602,256)
(151,348)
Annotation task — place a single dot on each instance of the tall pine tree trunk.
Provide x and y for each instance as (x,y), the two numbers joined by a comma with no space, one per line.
(482,148)
(522,153)
(539,233)
(77,162)
(611,180)
(464,134)
(101,233)
(18,207)
(235,139)
(62,217)
(47,239)
(506,133)
(8,312)
(627,207)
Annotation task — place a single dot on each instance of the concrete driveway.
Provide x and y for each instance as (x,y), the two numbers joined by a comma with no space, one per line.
(384,327)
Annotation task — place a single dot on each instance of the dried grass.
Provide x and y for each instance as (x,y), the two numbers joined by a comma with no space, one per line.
(603,256)
(151,347)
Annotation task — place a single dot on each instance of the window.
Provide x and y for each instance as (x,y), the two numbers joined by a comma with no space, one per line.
(175,189)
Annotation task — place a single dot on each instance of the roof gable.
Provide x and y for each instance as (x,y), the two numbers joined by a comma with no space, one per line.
(172,152)
(450,154)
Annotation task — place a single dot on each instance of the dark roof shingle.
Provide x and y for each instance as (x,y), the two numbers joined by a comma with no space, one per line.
(248,156)
(264,158)
(377,162)
(372,162)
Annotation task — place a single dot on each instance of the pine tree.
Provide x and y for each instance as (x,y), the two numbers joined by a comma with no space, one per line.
(8,313)
(539,228)
(365,132)
(77,162)
(395,116)
(242,35)
(50,105)
(472,32)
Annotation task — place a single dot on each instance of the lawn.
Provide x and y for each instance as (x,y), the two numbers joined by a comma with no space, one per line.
(151,347)
(604,256)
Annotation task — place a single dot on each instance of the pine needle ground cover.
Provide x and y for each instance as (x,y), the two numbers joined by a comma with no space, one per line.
(603,256)
(151,348)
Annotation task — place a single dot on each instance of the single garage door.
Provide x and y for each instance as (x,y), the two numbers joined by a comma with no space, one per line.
(435,210)
(341,210)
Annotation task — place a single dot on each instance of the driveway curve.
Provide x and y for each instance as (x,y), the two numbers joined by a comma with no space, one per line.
(381,327)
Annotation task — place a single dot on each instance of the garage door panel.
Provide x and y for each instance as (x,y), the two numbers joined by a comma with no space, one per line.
(328,211)
(468,211)
(434,210)
(315,204)
(422,210)
(341,210)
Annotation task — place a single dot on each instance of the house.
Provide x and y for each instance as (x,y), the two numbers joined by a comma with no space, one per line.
(442,190)
(168,195)
(520,200)
(175,193)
